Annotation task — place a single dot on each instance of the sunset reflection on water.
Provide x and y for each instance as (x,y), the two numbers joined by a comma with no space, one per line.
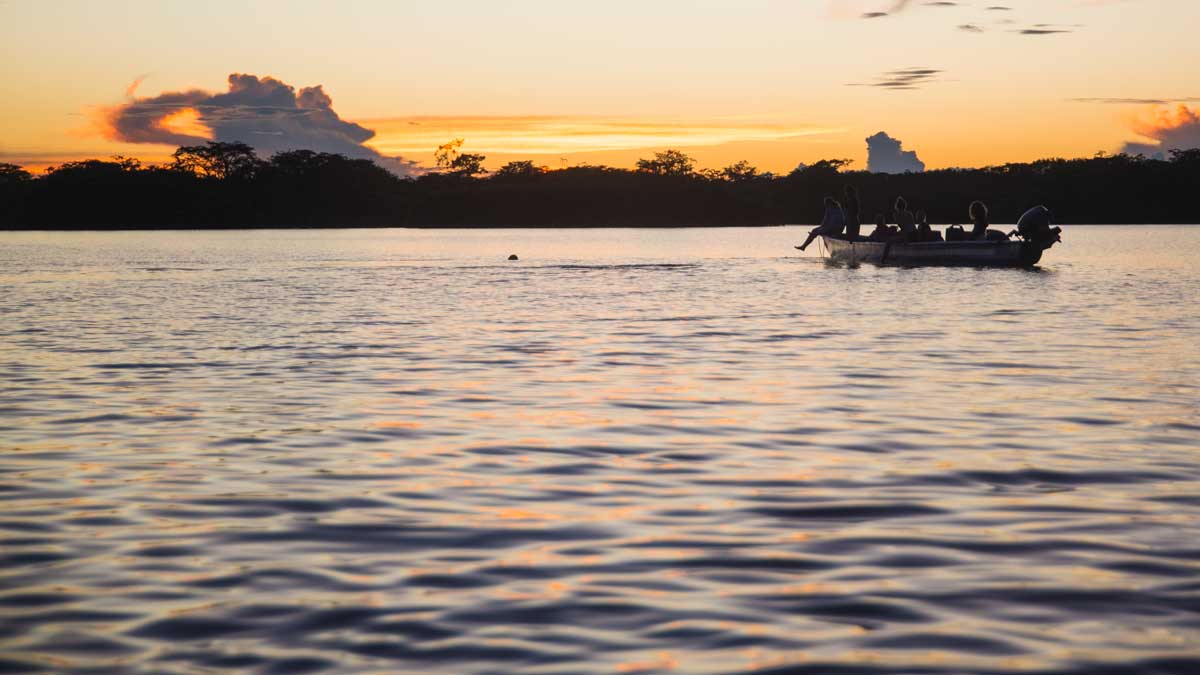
(632,451)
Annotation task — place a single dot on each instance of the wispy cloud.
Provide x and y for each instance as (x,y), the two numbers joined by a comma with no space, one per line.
(879,10)
(552,135)
(902,79)
(868,9)
(133,86)
(1136,101)
(995,14)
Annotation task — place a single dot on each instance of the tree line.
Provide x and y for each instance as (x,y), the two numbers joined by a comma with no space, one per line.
(228,185)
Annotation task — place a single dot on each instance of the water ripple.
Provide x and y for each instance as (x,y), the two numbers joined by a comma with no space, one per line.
(350,452)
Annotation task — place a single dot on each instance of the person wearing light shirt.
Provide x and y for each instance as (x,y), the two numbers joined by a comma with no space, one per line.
(831,225)
(905,219)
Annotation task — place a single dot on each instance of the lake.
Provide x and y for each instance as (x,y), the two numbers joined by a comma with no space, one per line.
(631,451)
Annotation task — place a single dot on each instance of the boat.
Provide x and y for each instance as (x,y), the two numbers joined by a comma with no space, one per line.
(1023,247)
(1013,253)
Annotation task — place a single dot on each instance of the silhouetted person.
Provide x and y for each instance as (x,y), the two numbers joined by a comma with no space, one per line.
(924,230)
(851,209)
(831,225)
(881,232)
(905,219)
(1034,225)
(979,215)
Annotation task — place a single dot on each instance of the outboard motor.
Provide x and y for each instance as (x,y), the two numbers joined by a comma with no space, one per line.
(1034,226)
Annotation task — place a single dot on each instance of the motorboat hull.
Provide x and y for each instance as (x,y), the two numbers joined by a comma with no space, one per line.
(957,253)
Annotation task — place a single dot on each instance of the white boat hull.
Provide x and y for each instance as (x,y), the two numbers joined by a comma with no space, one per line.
(964,253)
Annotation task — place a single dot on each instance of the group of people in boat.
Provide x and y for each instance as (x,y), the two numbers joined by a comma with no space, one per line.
(842,221)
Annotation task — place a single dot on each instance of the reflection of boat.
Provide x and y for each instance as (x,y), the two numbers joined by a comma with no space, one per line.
(1013,253)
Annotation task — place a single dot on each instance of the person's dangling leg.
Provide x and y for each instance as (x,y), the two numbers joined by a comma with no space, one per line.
(811,235)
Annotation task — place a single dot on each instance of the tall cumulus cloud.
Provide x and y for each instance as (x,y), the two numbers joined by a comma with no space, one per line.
(887,155)
(1171,129)
(263,112)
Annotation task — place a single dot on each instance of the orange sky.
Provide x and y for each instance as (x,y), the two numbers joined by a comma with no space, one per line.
(776,83)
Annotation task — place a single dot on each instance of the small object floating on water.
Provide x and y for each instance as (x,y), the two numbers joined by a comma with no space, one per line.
(513,257)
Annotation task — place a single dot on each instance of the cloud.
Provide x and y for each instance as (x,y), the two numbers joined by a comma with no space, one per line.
(1141,101)
(903,79)
(868,9)
(133,86)
(265,113)
(1048,29)
(1171,128)
(562,135)
(970,28)
(898,6)
(886,155)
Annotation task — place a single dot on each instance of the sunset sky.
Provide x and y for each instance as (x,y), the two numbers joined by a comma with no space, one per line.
(775,82)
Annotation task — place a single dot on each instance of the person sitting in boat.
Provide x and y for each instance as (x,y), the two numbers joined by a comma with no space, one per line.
(831,225)
(882,231)
(905,219)
(978,211)
(1034,225)
(980,232)
(924,231)
(851,211)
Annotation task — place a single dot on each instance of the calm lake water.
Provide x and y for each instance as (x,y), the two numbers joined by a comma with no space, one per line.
(386,451)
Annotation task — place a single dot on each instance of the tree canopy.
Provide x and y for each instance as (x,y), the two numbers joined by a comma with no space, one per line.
(668,163)
(217,160)
(450,158)
(227,185)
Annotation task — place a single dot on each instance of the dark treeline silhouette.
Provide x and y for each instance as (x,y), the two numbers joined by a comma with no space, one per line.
(228,185)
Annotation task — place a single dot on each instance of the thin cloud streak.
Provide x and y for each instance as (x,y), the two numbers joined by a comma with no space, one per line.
(1136,101)
(865,9)
(133,86)
(903,79)
(548,135)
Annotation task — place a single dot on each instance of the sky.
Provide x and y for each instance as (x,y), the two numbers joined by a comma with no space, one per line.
(775,82)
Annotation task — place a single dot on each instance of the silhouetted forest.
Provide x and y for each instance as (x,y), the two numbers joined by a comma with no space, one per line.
(228,185)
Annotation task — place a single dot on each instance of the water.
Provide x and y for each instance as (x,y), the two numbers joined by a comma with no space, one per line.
(632,451)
